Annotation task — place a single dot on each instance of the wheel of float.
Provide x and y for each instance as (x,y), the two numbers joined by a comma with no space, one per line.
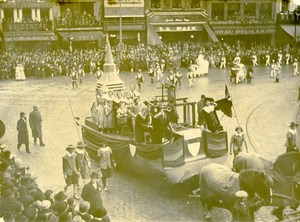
(2,129)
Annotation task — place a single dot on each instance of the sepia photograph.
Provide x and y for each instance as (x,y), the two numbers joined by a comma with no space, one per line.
(149,110)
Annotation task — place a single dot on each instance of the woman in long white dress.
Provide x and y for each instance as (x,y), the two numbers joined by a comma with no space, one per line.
(20,74)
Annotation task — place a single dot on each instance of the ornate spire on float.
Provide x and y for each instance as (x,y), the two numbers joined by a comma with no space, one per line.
(109,80)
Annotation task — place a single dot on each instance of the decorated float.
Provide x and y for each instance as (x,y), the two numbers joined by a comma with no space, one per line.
(200,68)
(177,158)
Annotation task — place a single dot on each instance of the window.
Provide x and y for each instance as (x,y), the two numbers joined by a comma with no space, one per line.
(217,11)
(176,3)
(155,3)
(249,10)
(234,11)
(265,11)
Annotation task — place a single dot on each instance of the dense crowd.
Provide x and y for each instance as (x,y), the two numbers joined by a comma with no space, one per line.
(21,199)
(168,56)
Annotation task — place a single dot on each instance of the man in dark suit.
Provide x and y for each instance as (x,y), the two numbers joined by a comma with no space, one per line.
(23,132)
(91,192)
(35,122)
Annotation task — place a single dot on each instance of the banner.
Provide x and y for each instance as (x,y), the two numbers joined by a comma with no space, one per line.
(128,8)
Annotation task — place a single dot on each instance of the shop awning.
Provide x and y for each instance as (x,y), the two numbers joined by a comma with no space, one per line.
(292,30)
(210,33)
(81,35)
(29,36)
(152,36)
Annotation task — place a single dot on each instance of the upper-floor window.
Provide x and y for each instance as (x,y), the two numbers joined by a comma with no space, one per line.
(249,10)
(155,3)
(217,11)
(176,3)
(234,11)
(265,10)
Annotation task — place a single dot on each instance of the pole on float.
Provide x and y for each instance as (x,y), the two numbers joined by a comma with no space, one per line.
(75,118)
(235,113)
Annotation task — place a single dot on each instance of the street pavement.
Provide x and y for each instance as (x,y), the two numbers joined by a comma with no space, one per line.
(263,108)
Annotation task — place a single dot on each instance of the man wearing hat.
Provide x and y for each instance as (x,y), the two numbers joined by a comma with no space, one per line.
(83,161)
(291,138)
(244,207)
(91,192)
(35,122)
(23,132)
(70,169)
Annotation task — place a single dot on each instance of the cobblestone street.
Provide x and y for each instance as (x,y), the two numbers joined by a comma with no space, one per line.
(263,108)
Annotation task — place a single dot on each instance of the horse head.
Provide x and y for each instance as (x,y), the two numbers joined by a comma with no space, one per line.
(256,182)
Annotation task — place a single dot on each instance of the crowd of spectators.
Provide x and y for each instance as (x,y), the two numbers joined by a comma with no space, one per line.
(76,19)
(21,199)
(134,57)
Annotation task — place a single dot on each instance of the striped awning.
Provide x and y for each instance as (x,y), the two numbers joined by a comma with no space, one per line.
(82,35)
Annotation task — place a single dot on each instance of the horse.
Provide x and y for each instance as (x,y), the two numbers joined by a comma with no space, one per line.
(285,172)
(218,185)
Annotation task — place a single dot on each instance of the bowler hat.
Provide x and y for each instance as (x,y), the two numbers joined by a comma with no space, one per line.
(48,193)
(35,108)
(60,196)
(22,114)
(293,124)
(70,147)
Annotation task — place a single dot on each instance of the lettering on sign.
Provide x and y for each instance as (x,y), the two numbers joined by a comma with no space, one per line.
(178,20)
(26,5)
(30,38)
(178,28)
(244,31)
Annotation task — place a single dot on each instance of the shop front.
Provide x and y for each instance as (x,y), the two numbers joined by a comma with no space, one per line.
(81,39)
(246,33)
(29,40)
(178,26)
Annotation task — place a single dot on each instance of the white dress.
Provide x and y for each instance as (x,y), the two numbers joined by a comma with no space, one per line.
(20,74)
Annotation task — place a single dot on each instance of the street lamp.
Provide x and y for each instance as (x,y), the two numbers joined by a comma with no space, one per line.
(121,37)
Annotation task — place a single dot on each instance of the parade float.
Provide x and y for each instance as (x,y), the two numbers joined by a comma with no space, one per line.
(200,68)
(177,159)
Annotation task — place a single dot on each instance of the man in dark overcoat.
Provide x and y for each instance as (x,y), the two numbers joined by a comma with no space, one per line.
(23,132)
(91,192)
(35,122)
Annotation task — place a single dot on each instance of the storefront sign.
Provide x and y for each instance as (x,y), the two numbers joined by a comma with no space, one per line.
(178,20)
(30,38)
(26,5)
(244,31)
(178,28)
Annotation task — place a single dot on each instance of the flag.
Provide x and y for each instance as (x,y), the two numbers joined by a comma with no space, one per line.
(227,94)
(225,104)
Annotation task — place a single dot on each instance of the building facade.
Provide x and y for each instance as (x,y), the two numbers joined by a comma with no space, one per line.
(60,23)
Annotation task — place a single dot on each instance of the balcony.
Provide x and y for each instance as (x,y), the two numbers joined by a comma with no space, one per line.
(10,26)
